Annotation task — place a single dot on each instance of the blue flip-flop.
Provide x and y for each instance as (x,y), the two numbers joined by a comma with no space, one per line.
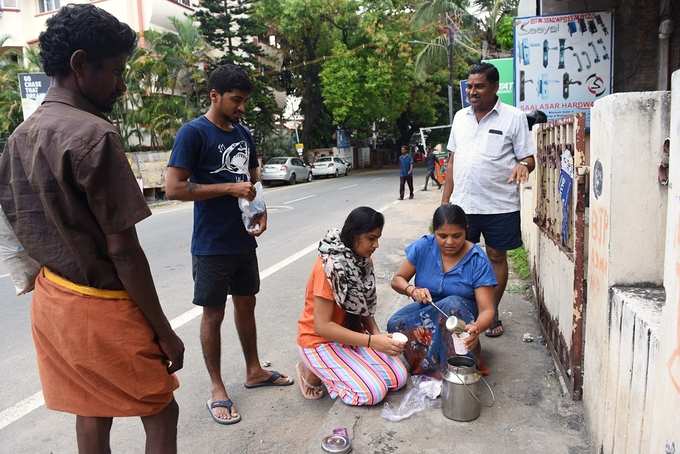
(226,403)
(271,381)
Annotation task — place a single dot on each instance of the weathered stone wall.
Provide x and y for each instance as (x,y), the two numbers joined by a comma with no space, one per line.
(627,244)
(666,379)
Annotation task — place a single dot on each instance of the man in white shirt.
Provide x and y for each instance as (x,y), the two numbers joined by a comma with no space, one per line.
(491,154)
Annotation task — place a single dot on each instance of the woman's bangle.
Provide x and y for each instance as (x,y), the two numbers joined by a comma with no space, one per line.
(406,289)
(369,341)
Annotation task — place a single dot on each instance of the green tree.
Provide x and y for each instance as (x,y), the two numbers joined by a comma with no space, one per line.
(361,88)
(505,34)
(278,143)
(11,64)
(229,27)
(491,21)
(307,35)
(166,86)
(375,82)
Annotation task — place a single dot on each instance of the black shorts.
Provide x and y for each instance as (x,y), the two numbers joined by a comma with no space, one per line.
(216,276)
(502,232)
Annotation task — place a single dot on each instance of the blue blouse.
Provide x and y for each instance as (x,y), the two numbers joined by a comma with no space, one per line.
(472,271)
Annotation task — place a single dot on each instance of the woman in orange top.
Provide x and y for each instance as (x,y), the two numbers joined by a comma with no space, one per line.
(340,343)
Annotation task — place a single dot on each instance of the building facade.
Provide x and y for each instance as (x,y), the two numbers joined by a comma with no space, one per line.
(23,20)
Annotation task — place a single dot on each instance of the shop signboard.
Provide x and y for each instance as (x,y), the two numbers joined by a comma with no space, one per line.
(563,64)
(32,89)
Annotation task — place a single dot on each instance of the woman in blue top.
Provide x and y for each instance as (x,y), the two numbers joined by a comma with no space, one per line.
(454,273)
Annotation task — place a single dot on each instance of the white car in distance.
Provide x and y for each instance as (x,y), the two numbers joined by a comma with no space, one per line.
(329,166)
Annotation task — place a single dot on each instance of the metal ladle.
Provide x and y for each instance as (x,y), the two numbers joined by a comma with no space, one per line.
(453,323)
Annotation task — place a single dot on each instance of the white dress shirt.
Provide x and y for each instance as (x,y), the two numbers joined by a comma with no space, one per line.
(484,155)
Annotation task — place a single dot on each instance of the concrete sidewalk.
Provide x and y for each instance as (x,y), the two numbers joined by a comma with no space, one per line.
(530,415)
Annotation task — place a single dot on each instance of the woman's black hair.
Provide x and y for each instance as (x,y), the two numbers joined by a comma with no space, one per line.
(449,214)
(229,77)
(361,220)
(85,27)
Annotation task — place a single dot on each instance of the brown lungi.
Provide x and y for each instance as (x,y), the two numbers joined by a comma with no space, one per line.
(97,354)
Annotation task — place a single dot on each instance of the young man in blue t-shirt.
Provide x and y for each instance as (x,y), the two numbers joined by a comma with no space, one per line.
(213,163)
(405,172)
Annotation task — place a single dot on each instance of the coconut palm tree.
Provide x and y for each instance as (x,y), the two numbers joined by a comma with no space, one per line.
(458,29)
(444,19)
(491,14)
(474,29)
(166,82)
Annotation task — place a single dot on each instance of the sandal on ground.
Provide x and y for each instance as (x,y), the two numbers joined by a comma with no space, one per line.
(307,389)
(273,380)
(226,403)
(496,331)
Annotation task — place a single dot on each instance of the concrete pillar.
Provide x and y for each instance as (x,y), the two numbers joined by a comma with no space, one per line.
(666,435)
(626,234)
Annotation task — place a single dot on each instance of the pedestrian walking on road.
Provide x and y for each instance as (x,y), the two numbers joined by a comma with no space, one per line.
(340,343)
(213,163)
(491,154)
(405,172)
(103,344)
(456,275)
(430,162)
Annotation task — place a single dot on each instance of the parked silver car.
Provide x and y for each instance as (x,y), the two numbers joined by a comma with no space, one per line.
(286,169)
(329,166)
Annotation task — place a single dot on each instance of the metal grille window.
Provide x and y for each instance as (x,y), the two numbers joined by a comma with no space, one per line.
(9,4)
(184,2)
(45,6)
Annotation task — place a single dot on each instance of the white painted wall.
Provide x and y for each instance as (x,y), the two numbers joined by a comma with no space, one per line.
(626,244)
(11,25)
(666,381)
(25,26)
(556,276)
(526,8)
(528,207)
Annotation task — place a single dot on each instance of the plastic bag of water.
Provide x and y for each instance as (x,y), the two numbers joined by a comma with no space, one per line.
(251,209)
(22,268)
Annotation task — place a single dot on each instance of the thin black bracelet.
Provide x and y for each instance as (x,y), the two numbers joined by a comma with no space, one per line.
(406,289)
(369,341)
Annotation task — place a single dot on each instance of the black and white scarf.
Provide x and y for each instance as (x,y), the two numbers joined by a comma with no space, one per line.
(351,276)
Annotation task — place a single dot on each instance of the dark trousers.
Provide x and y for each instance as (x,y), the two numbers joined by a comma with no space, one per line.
(408,180)
(430,174)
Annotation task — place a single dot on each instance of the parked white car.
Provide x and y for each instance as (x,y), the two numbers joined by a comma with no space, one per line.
(329,166)
(286,169)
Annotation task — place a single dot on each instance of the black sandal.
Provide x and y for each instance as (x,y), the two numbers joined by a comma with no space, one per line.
(496,331)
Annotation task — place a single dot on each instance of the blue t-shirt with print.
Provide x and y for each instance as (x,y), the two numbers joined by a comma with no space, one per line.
(471,272)
(214,155)
(405,162)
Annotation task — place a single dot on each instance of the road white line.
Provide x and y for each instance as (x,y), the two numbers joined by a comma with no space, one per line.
(18,411)
(347,187)
(301,198)
(26,406)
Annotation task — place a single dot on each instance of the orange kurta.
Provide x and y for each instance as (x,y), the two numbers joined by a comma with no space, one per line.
(318,285)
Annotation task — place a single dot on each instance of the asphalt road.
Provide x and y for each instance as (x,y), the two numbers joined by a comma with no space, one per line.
(274,419)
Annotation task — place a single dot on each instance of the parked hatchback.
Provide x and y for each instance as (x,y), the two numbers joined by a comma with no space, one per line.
(329,166)
(286,169)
